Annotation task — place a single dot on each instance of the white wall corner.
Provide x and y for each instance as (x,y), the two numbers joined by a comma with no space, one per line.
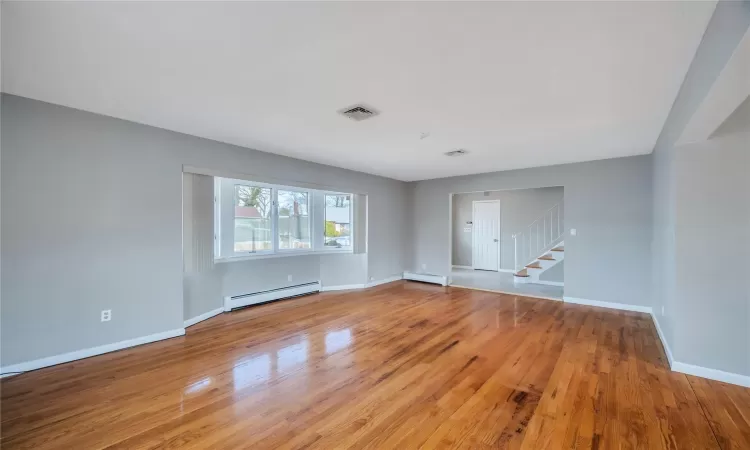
(698,371)
(204,316)
(663,340)
(384,281)
(89,352)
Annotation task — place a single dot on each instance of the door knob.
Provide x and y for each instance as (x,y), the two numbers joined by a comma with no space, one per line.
(495,240)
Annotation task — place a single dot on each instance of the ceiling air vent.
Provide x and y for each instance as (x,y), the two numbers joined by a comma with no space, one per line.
(358,112)
(458,152)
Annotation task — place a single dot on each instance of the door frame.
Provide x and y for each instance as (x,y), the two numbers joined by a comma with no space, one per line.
(499,230)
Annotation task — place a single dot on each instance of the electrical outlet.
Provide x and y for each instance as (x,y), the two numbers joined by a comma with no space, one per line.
(106,315)
(424,266)
(372,278)
(288,278)
(573,232)
(662,310)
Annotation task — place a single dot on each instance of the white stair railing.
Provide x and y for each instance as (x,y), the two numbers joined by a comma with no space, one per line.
(540,236)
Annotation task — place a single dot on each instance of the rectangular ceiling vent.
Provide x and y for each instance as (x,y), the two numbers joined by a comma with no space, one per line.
(458,152)
(358,112)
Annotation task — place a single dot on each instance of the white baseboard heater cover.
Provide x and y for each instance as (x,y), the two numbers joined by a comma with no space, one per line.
(426,278)
(239,301)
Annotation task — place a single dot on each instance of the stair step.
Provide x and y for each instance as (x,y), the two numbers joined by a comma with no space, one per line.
(535,265)
(558,249)
(547,258)
(521,273)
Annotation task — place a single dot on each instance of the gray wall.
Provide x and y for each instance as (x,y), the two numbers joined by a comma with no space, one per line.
(726,28)
(91,220)
(738,121)
(555,273)
(518,208)
(202,283)
(712,241)
(608,202)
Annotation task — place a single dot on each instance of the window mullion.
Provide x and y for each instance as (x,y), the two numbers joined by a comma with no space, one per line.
(275,219)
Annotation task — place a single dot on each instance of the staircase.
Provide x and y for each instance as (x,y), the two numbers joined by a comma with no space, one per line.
(539,246)
(531,272)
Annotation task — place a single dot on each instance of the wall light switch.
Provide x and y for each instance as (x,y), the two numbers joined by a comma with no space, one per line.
(572,231)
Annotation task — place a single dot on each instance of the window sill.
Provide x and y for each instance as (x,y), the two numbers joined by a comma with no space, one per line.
(280,255)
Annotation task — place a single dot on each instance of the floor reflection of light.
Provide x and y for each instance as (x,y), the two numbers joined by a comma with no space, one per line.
(252,372)
(198,385)
(336,340)
(291,355)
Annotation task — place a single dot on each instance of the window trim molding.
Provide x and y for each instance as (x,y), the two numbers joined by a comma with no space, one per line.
(350,248)
(254,178)
(316,200)
(232,259)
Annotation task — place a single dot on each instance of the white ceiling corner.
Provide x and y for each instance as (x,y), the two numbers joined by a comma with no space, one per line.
(728,91)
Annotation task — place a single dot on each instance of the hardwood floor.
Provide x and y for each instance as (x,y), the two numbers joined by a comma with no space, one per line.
(404,365)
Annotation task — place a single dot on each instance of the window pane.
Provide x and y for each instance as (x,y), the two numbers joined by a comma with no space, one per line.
(252,219)
(294,220)
(338,229)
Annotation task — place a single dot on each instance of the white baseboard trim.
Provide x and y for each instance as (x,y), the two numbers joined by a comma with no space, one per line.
(711,374)
(255,298)
(517,294)
(623,306)
(426,278)
(549,283)
(472,268)
(384,281)
(204,316)
(698,371)
(347,287)
(89,352)
(343,287)
(663,340)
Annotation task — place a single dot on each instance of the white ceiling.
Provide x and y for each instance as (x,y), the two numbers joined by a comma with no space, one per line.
(517,84)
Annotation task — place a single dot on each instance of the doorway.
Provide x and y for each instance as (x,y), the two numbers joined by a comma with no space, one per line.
(486,235)
(509,241)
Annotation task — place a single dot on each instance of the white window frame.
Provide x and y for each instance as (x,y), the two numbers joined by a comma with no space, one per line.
(349,249)
(275,220)
(272,215)
(224,250)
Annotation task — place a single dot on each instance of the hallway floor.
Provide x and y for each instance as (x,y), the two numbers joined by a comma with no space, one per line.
(502,282)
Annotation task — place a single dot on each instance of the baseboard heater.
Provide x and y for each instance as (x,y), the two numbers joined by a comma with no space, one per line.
(240,301)
(426,278)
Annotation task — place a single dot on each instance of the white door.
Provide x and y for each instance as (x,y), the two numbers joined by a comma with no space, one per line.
(486,235)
